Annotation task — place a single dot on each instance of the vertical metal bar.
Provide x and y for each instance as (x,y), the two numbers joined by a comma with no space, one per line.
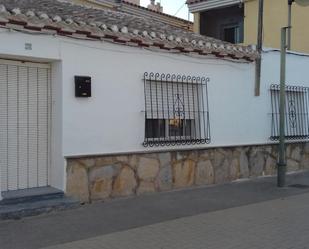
(276,103)
(179,118)
(203,106)
(301,97)
(162,103)
(259,46)
(184,110)
(301,111)
(282,162)
(287,126)
(208,121)
(194,111)
(288,129)
(173,77)
(297,110)
(292,93)
(272,113)
(157,106)
(151,107)
(295,99)
(168,109)
(145,96)
(198,108)
(307,113)
(189,108)
(290,2)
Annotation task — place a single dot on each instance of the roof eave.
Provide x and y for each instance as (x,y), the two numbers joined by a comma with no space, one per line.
(212,4)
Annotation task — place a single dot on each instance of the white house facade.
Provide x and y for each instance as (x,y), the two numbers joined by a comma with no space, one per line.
(120,105)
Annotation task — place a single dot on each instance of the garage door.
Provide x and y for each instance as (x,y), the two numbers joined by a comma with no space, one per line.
(24,125)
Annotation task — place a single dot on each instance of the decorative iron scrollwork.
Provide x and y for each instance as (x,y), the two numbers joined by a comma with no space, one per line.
(296,111)
(176,109)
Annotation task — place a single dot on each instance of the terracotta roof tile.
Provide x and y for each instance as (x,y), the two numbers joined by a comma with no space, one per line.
(71,20)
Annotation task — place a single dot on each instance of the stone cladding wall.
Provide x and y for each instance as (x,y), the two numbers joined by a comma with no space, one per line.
(103,177)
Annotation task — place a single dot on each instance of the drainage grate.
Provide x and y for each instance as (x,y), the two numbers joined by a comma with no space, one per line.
(300,186)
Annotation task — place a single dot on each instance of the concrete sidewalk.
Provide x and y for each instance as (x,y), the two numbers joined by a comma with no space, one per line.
(281,223)
(105,218)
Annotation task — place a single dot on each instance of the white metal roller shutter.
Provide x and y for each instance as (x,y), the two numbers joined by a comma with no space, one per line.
(24,125)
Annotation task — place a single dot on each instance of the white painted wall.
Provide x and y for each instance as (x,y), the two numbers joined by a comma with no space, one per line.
(112,120)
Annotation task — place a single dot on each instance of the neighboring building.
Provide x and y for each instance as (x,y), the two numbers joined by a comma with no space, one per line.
(100,104)
(236,21)
(154,10)
(155,6)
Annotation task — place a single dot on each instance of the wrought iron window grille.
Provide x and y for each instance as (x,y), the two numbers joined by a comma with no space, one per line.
(176,110)
(296,112)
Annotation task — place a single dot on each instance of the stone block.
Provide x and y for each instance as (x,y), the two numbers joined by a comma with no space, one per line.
(148,168)
(204,173)
(234,169)
(77,181)
(165,159)
(243,165)
(304,164)
(206,154)
(219,157)
(296,153)
(288,150)
(306,148)
(133,161)
(222,172)
(88,162)
(122,159)
(183,173)
(292,165)
(270,166)
(101,180)
(256,162)
(145,187)
(165,178)
(267,149)
(125,183)
(104,161)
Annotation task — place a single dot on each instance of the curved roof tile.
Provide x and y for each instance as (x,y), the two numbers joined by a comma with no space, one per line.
(67,19)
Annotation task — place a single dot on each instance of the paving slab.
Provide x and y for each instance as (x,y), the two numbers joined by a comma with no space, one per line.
(118,215)
(281,223)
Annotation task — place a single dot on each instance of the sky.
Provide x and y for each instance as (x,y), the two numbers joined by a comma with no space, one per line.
(171,7)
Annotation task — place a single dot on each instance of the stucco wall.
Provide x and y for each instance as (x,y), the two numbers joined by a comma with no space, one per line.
(112,121)
(276,17)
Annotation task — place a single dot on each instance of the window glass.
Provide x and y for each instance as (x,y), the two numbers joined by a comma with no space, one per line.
(155,128)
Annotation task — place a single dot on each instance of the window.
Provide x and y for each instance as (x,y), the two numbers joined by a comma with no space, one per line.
(176,110)
(296,112)
(232,33)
